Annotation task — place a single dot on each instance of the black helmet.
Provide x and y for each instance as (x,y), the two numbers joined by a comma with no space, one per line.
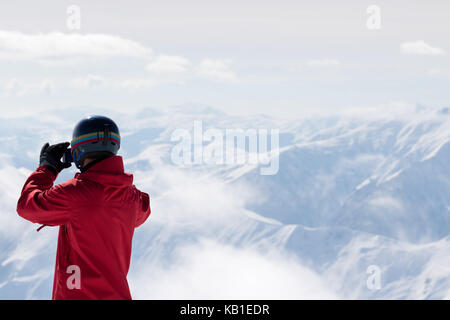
(94,136)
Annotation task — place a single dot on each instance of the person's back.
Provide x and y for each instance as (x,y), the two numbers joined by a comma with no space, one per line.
(97,212)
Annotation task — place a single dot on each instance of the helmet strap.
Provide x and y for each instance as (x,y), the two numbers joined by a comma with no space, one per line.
(106,135)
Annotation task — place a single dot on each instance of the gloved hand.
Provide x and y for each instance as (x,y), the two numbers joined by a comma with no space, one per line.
(51,156)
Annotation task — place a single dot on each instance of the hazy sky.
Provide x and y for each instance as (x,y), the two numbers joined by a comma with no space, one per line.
(278,57)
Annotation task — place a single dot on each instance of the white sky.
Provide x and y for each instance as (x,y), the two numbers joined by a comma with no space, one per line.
(278,57)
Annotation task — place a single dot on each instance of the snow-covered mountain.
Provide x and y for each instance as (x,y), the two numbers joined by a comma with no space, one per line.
(354,192)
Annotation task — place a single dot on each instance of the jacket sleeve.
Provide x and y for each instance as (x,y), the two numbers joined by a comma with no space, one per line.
(40,202)
(144,209)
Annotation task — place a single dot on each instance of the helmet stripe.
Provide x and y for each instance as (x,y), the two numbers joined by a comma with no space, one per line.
(83,142)
(93,136)
(91,140)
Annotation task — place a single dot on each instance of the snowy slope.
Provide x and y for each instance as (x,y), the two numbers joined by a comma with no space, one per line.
(352,191)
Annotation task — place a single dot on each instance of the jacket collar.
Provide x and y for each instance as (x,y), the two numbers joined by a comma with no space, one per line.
(108,171)
(92,162)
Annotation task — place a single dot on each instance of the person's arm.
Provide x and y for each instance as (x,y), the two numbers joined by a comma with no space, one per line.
(144,209)
(40,202)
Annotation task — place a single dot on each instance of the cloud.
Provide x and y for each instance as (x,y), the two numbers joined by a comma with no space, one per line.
(62,46)
(387,203)
(186,206)
(322,63)
(421,48)
(142,83)
(57,48)
(16,87)
(89,81)
(11,182)
(434,72)
(210,270)
(165,69)
(207,252)
(177,69)
(216,69)
(170,64)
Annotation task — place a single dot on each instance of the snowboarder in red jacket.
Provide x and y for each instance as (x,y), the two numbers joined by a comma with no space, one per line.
(96,211)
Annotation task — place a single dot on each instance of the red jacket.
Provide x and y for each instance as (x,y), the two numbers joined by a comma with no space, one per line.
(97,212)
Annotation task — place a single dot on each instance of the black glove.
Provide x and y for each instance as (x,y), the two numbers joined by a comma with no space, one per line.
(51,156)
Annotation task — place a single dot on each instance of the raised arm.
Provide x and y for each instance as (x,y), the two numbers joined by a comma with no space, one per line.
(40,202)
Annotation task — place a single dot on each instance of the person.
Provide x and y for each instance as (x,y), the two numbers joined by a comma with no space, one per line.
(96,211)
